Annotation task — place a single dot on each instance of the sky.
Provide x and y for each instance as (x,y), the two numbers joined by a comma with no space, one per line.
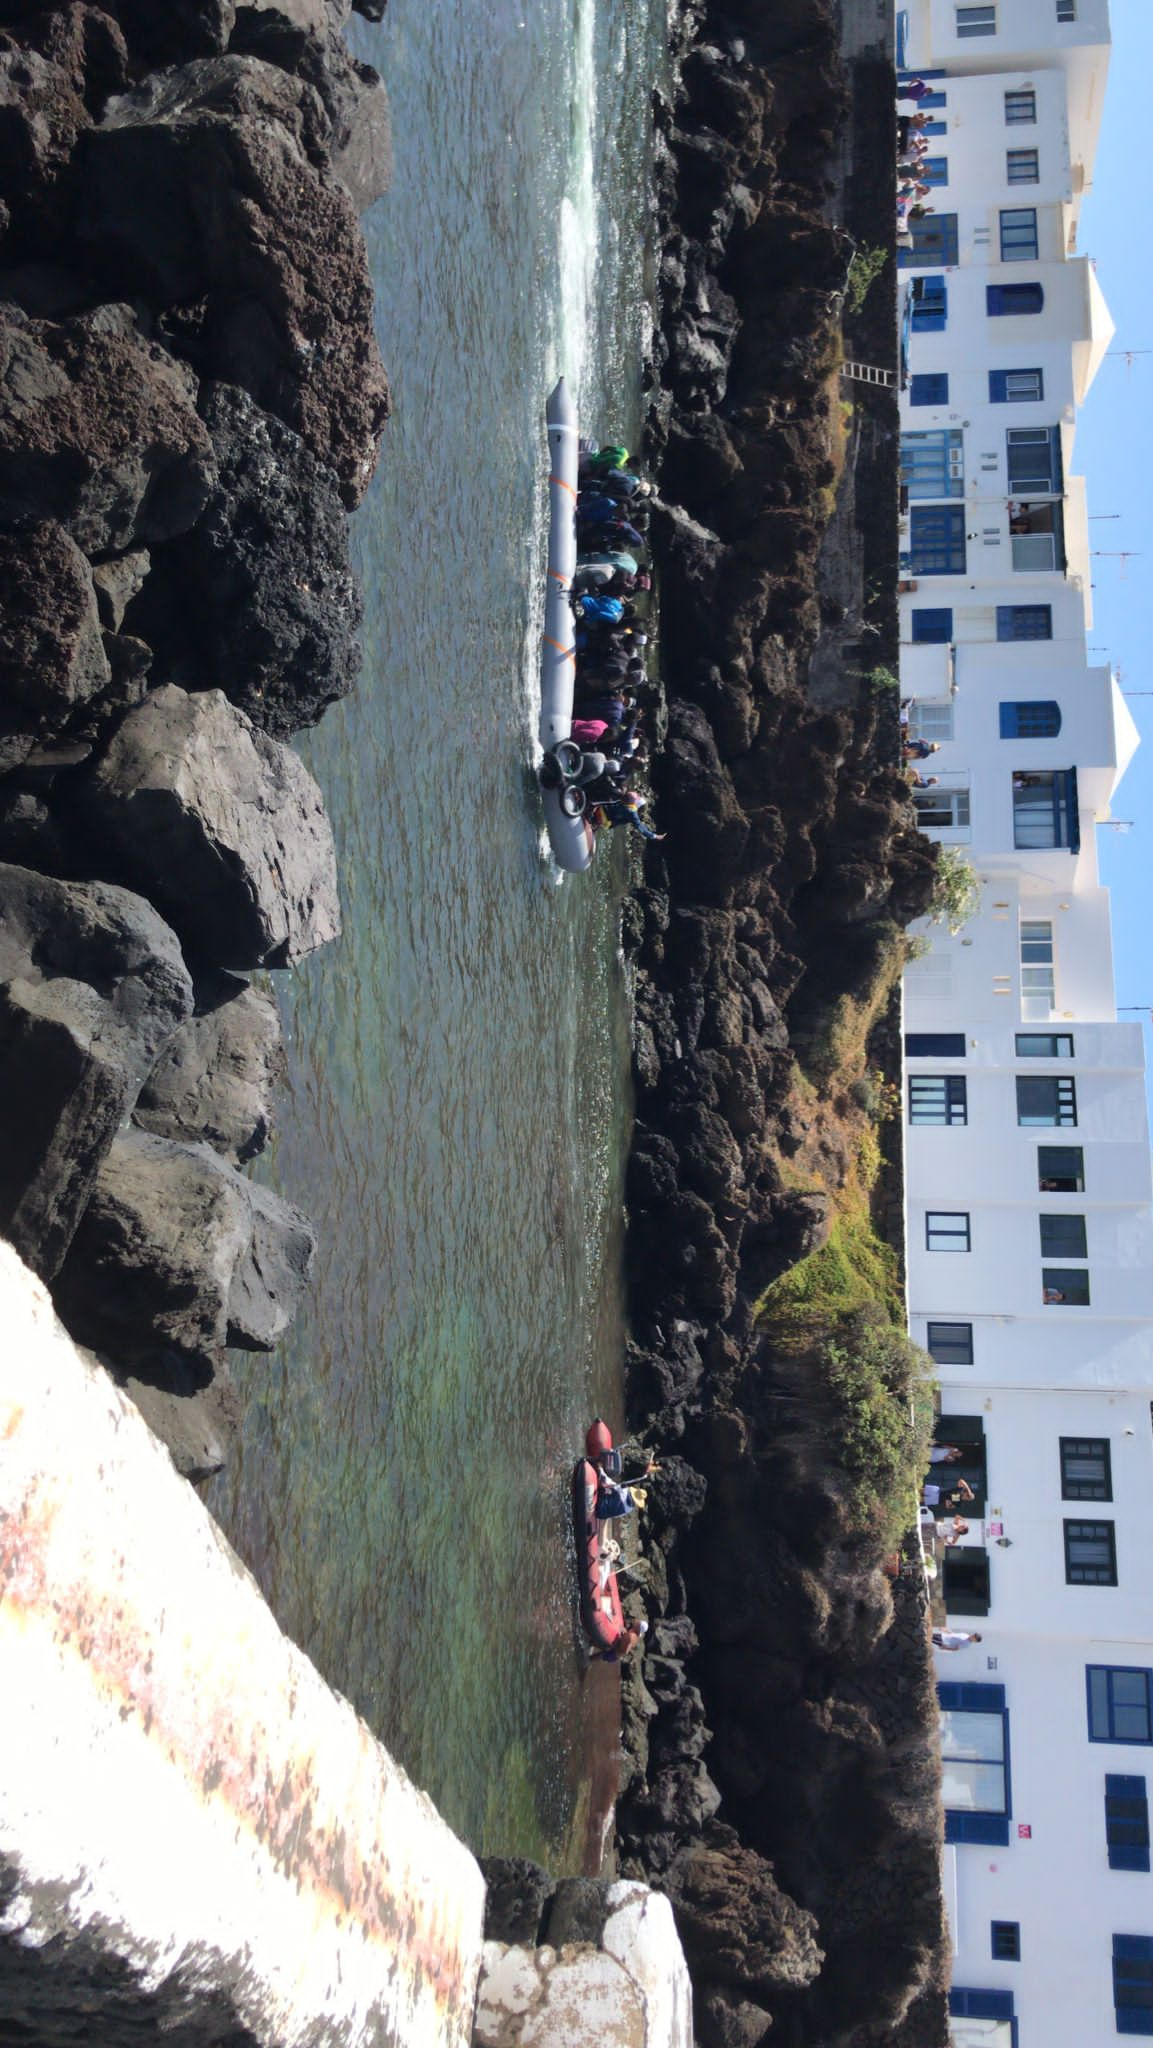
(1114,453)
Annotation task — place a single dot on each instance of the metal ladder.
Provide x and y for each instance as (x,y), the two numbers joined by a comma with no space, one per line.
(866,374)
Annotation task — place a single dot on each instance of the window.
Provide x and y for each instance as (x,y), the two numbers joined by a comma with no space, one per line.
(1045,810)
(1004,300)
(1046,1099)
(1063,1237)
(950,1343)
(1090,1554)
(1022,167)
(1061,1169)
(975,1762)
(967,1590)
(1005,1940)
(1037,720)
(947,1230)
(929,388)
(1044,1045)
(1015,387)
(932,626)
(1019,234)
(977,21)
(1126,1822)
(1066,10)
(1086,1473)
(938,1099)
(942,810)
(1033,461)
(932,463)
(1020,107)
(934,241)
(940,1045)
(934,170)
(1064,1287)
(1038,971)
(981,2019)
(937,540)
(1120,1700)
(931,718)
(1132,1953)
(929,305)
(1024,622)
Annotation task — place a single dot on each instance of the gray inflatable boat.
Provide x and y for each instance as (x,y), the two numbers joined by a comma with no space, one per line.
(571,837)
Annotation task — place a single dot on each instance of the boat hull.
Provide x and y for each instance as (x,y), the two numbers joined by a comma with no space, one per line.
(573,840)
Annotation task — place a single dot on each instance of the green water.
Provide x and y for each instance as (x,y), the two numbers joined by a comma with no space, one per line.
(456,1114)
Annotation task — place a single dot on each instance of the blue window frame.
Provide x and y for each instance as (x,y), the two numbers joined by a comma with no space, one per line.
(935,170)
(1004,300)
(937,540)
(1019,234)
(1024,622)
(1039,720)
(1046,809)
(934,127)
(933,627)
(932,463)
(1120,1703)
(1005,1940)
(1133,1983)
(934,241)
(929,305)
(976,1783)
(1127,1822)
(1015,387)
(929,387)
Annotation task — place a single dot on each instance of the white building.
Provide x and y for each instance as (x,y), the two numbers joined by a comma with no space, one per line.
(1030,1201)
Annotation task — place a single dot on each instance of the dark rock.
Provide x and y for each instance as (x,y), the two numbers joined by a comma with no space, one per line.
(178,1250)
(178,30)
(210,184)
(196,1417)
(52,657)
(259,599)
(117,582)
(98,430)
(92,985)
(41,116)
(721,2019)
(222,826)
(516,1899)
(578,1912)
(215,1078)
(734,1921)
(301,36)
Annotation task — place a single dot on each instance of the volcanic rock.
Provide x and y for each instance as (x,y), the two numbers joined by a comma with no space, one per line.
(210,184)
(215,1078)
(259,599)
(52,655)
(98,430)
(92,985)
(302,37)
(176,1249)
(222,826)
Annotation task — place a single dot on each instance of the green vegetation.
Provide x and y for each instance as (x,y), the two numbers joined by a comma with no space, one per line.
(956,890)
(864,270)
(836,1052)
(881,678)
(878,1389)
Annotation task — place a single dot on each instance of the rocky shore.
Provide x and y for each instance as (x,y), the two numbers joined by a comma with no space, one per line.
(784,1788)
(191,401)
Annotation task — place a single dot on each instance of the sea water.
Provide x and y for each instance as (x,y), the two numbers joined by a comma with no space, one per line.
(456,1113)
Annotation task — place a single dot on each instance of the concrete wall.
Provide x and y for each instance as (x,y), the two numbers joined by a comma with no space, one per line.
(181,1795)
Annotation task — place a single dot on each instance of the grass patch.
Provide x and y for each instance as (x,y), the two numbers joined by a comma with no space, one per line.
(877,1387)
(836,1050)
(854,1270)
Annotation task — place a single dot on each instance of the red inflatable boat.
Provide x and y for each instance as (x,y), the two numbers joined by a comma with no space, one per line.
(600,1599)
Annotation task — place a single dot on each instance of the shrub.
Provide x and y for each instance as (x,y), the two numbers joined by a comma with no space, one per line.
(864,270)
(956,890)
(878,1389)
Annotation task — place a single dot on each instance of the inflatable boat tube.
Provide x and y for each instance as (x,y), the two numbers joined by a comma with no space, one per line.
(573,840)
(600,1602)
